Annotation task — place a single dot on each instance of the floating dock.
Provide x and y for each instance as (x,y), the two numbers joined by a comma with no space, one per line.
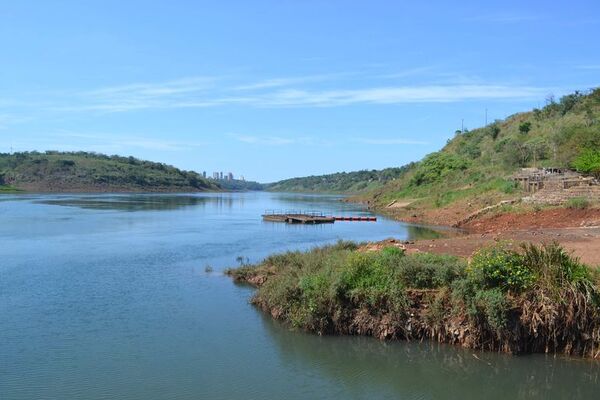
(311,217)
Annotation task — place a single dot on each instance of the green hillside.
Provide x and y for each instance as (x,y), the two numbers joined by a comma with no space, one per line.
(238,185)
(565,133)
(474,168)
(90,172)
(341,182)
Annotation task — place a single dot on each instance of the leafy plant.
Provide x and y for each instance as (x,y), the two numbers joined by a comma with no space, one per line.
(588,162)
(578,203)
(500,267)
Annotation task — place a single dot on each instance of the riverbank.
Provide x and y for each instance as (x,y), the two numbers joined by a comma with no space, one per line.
(577,230)
(505,298)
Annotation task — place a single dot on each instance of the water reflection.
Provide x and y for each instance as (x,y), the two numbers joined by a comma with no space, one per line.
(151,202)
(434,371)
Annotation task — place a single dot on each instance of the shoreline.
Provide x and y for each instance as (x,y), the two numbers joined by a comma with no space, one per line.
(393,291)
(578,230)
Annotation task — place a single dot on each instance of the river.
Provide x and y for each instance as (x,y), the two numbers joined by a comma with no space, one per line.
(110,297)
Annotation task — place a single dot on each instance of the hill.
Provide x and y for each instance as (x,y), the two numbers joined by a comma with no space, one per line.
(238,185)
(341,182)
(54,171)
(473,170)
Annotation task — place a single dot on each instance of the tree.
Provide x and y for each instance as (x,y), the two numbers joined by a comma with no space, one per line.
(494,130)
(525,127)
(588,162)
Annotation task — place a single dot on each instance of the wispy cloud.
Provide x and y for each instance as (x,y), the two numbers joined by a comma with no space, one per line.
(592,67)
(505,18)
(276,140)
(389,141)
(397,95)
(123,141)
(332,91)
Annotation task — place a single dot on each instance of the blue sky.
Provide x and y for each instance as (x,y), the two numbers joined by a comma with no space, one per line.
(276,89)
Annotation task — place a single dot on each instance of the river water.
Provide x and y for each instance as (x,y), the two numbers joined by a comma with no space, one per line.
(110,297)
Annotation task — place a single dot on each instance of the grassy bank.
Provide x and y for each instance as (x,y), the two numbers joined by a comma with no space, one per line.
(531,299)
(9,189)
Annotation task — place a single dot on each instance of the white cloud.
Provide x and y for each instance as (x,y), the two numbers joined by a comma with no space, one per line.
(202,92)
(118,142)
(505,18)
(389,141)
(397,95)
(272,140)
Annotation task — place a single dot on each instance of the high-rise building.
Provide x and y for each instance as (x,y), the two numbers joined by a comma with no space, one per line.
(215,175)
(221,175)
(204,174)
(229,176)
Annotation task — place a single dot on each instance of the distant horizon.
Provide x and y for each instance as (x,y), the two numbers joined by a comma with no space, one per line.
(340,87)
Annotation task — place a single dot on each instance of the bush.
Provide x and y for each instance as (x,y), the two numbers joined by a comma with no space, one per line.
(430,271)
(554,268)
(578,203)
(525,127)
(588,162)
(493,306)
(370,279)
(436,166)
(500,267)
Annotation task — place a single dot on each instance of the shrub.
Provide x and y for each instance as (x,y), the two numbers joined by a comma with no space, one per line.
(493,306)
(498,266)
(370,279)
(494,130)
(554,267)
(436,166)
(578,203)
(429,271)
(588,162)
(525,127)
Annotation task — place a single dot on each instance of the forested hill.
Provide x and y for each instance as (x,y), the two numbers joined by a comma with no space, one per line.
(341,182)
(91,172)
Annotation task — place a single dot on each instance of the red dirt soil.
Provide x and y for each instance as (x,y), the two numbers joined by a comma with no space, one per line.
(550,218)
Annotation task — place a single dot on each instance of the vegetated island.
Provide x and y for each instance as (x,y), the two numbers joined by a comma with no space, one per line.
(54,171)
(515,300)
(529,182)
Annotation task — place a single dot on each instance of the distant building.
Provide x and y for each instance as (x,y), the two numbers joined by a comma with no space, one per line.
(216,175)
(221,175)
(229,176)
(204,174)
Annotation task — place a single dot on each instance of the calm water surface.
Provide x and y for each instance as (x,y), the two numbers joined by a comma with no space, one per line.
(106,297)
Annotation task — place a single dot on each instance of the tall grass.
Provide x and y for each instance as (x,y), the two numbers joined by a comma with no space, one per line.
(533,298)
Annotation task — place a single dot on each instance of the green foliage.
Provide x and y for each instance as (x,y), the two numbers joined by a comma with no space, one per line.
(370,279)
(343,182)
(500,267)
(525,127)
(493,306)
(54,170)
(502,295)
(436,166)
(494,130)
(554,268)
(588,162)
(430,271)
(578,203)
